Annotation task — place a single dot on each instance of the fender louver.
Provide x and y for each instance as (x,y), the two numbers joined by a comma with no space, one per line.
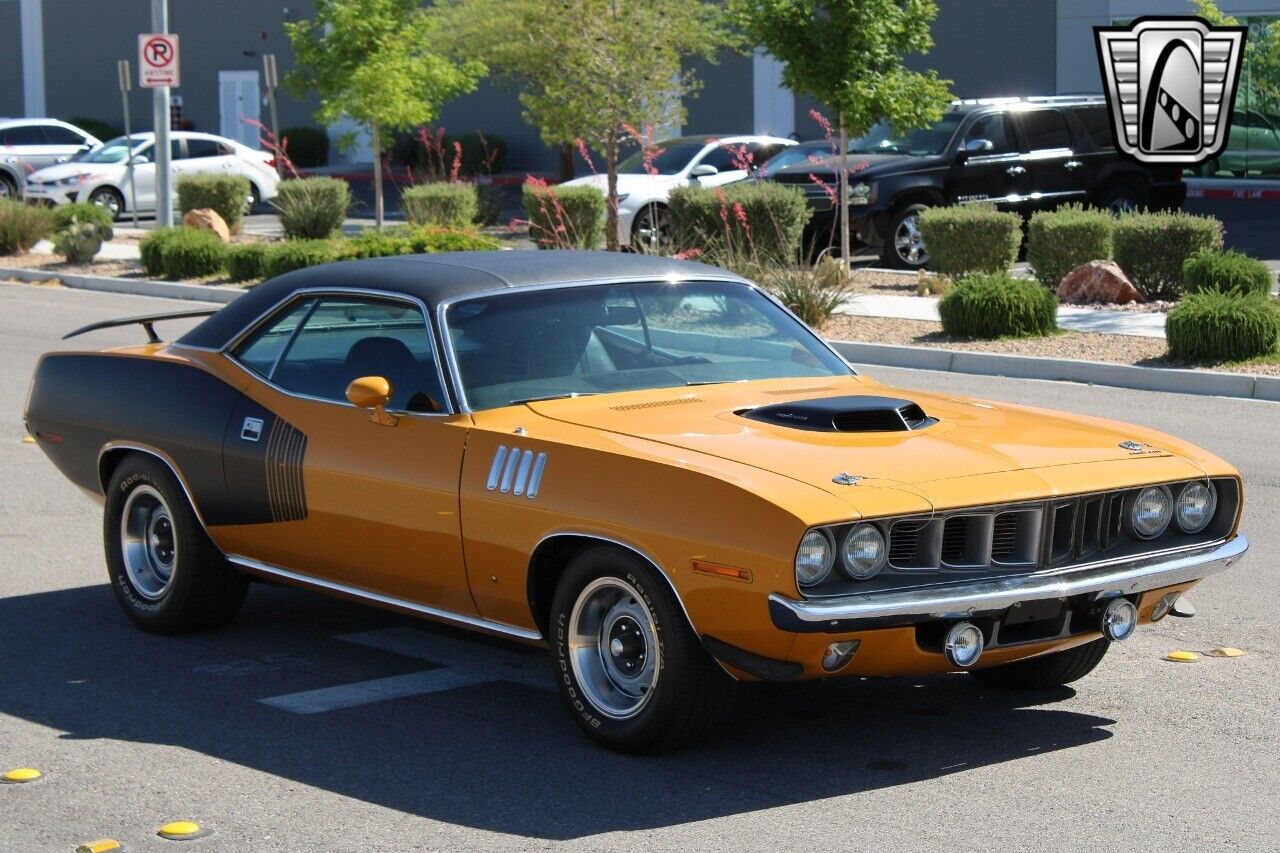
(844,414)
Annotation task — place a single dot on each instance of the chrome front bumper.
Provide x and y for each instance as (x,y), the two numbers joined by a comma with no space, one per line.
(900,607)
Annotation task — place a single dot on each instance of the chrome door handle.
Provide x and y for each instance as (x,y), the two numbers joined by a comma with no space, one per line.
(1015,171)
(1072,164)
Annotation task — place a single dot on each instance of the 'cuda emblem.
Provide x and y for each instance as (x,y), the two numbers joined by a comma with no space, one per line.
(846,479)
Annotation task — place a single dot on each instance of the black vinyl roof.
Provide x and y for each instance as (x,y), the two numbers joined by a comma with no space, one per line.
(439,277)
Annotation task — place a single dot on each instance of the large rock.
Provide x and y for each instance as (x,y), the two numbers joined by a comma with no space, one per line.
(1097,281)
(207,219)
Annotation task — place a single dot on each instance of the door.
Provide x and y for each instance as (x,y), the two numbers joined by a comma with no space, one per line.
(991,169)
(323,488)
(1057,175)
(144,174)
(239,102)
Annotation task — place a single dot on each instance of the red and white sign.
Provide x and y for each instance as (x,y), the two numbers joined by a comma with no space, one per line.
(157,60)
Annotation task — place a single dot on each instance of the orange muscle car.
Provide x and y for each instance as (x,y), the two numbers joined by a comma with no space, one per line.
(649,466)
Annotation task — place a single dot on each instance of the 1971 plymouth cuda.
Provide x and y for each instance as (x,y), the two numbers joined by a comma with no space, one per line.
(648,465)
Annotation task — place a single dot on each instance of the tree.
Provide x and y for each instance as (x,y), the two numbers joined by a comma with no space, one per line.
(1260,84)
(587,70)
(848,55)
(371,61)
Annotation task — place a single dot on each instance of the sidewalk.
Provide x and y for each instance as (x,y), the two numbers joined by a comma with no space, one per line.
(1138,324)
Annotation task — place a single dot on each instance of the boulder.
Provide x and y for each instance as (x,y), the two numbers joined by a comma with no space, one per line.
(207,219)
(1097,281)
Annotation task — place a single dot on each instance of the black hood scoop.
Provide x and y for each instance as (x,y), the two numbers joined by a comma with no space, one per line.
(858,413)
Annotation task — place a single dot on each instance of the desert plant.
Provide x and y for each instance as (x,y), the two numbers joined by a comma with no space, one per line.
(813,294)
(22,226)
(970,238)
(298,254)
(78,242)
(307,147)
(65,214)
(434,153)
(1226,272)
(563,217)
(246,261)
(1151,248)
(745,224)
(312,208)
(1060,240)
(1210,327)
(998,306)
(189,253)
(446,204)
(932,284)
(227,195)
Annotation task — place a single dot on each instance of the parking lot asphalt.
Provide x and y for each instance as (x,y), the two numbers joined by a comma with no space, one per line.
(284,730)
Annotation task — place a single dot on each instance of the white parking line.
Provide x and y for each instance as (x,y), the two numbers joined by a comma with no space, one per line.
(463,664)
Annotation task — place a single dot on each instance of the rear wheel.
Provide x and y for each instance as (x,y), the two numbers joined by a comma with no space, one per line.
(1052,670)
(904,247)
(632,672)
(166,573)
(1122,199)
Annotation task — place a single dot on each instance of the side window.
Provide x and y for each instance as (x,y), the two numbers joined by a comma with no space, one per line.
(1045,129)
(175,150)
(59,135)
(1098,125)
(318,349)
(203,148)
(24,134)
(721,157)
(994,127)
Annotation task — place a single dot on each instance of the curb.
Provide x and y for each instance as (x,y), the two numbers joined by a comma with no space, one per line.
(1165,379)
(136,287)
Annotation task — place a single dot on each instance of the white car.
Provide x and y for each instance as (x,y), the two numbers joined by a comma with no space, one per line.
(644,187)
(101,177)
(27,144)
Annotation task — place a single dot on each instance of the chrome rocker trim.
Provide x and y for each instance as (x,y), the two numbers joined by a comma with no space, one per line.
(903,607)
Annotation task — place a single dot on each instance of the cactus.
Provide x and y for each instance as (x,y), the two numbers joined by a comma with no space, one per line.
(78,242)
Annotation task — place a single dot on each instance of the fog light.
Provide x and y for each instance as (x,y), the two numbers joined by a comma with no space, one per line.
(839,654)
(1119,620)
(963,645)
(1163,606)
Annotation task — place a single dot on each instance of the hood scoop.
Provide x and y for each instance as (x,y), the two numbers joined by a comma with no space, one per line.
(858,413)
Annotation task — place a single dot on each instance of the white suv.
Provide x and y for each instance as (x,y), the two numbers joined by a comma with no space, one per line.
(27,144)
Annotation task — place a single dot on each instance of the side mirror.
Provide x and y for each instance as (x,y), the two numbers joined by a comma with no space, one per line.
(621,315)
(704,170)
(979,146)
(372,392)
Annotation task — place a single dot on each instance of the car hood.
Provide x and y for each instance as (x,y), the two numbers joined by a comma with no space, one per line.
(69,170)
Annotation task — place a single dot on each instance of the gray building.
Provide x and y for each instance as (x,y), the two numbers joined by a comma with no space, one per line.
(58,58)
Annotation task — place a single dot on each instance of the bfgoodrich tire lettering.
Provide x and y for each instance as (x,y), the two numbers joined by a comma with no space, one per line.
(689,693)
(194,588)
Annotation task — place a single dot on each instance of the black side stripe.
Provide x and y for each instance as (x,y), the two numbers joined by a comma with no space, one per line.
(286,447)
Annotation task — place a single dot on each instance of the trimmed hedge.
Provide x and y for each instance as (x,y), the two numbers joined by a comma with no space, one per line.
(1226,272)
(226,194)
(448,205)
(312,208)
(298,254)
(306,147)
(22,226)
(1152,248)
(998,306)
(564,217)
(1058,241)
(83,212)
(970,238)
(414,241)
(1210,327)
(182,253)
(247,261)
(759,222)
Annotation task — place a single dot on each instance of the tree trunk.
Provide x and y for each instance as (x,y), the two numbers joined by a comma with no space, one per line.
(566,162)
(844,193)
(377,176)
(611,198)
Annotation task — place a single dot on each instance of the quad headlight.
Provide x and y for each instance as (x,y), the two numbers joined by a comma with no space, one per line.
(1149,513)
(860,193)
(864,553)
(815,557)
(1196,503)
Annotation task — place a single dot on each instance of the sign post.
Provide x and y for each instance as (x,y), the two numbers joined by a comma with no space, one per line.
(272,79)
(158,71)
(126,84)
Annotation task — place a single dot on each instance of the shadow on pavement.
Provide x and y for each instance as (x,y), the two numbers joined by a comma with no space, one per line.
(496,756)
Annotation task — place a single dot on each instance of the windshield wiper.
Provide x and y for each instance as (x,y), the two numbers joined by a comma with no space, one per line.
(565,396)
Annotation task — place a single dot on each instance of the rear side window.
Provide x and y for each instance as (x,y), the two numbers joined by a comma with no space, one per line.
(1098,125)
(59,135)
(1045,129)
(23,134)
(204,148)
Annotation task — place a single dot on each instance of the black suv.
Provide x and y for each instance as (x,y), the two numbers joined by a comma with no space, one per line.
(1023,154)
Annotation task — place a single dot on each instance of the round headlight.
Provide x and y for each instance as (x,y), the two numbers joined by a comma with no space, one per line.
(864,552)
(1195,506)
(815,558)
(1150,512)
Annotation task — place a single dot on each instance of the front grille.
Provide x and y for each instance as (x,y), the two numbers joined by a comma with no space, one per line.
(955,536)
(1004,539)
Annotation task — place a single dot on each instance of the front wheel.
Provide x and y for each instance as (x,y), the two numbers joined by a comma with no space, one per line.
(904,247)
(651,232)
(8,187)
(632,672)
(1045,671)
(109,200)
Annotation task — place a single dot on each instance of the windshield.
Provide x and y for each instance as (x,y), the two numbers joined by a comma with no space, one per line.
(114,151)
(805,153)
(922,142)
(518,347)
(664,159)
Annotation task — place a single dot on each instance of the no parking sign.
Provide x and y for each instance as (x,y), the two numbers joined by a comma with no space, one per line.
(157,60)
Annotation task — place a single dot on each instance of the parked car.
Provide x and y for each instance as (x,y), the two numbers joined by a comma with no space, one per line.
(1022,154)
(1253,147)
(101,177)
(27,144)
(649,466)
(646,178)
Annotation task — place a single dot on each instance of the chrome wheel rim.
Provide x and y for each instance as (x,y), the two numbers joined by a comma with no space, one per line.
(908,242)
(652,229)
(5,190)
(148,542)
(613,648)
(1121,205)
(107,201)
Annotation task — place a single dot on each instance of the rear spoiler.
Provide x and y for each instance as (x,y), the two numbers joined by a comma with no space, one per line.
(145,321)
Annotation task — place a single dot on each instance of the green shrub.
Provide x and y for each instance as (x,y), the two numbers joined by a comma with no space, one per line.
(298,254)
(564,217)
(970,238)
(371,243)
(246,261)
(428,240)
(78,242)
(450,205)
(1151,248)
(752,223)
(312,208)
(95,127)
(226,194)
(1058,241)
(151,249)
(998,306)
(306,147)
(191,253)
(482,154)
(1211,326)
(81,212)
(1226,272)
(22,226)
